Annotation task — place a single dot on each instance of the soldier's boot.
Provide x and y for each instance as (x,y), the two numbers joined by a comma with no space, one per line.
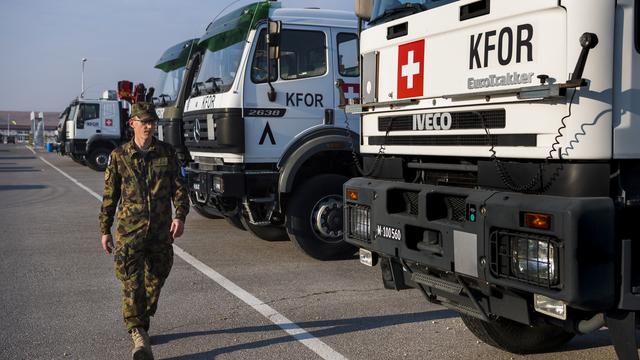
(141,345)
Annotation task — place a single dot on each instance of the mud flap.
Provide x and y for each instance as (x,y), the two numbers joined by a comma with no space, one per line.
(622,329)
(392,274)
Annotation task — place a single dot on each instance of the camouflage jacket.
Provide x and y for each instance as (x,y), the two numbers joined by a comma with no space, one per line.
(142,186)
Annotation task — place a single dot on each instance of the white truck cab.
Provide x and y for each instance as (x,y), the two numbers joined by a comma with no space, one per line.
(270,144)
(92,128)
(501,163)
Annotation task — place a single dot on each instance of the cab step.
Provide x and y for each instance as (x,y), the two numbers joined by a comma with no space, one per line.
(463,309)
(437,283)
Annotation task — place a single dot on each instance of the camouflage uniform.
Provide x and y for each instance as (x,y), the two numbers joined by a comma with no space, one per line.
(142,185)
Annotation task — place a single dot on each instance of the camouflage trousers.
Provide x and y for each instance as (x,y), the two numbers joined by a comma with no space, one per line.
(142,271)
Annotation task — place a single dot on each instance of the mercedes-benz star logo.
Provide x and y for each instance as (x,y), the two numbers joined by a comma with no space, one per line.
(196,130)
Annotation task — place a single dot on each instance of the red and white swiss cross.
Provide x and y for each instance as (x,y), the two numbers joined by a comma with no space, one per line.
(351,90)
(411,69)
(108,122)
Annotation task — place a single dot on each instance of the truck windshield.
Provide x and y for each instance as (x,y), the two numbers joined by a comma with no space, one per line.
(62,118)
(387,10)
(219,68)
(169,85)
(224,42)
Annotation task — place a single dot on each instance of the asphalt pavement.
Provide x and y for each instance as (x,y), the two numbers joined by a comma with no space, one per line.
(230,295)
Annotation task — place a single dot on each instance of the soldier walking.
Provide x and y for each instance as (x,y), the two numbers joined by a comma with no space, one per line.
(142,179)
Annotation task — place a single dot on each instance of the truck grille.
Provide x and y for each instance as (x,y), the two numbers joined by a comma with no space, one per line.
(197,137)
(215,130)
(456,140)
(402,201)
(446,207)
(464,120)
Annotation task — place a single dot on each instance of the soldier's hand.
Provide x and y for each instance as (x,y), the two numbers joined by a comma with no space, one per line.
(107,243)
(177,228)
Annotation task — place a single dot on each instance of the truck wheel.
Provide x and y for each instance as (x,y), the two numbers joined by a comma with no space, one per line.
(314,218)
(202,211)
(78,159)
(235,222)
(98,159)
(268,233)
(515,337)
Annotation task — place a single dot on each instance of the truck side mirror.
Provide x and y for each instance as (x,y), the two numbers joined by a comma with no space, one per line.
(273,39)
(364,9)
(273,49)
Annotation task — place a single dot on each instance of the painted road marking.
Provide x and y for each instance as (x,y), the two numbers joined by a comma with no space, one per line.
(291,328)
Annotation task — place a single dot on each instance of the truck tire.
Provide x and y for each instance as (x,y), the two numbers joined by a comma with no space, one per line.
(517,338)
(267,233)
(78,159)
(98,158)
(314,218)
(235,222)
(202,211)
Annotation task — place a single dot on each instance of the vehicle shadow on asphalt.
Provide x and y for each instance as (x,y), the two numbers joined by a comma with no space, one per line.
(7,169)
(592,340)
(17,157)
(22,187)
(332,327)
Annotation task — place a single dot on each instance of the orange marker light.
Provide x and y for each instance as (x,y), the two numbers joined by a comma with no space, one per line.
(537,221)
(352,195)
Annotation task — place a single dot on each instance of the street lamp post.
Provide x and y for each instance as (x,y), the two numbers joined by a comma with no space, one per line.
(82,90)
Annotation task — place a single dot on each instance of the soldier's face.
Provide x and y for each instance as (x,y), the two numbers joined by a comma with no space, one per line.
(142,129)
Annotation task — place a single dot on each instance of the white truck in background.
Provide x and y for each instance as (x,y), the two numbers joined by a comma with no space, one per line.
(89,129)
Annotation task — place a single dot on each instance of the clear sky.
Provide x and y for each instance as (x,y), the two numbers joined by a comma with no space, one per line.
(42,43)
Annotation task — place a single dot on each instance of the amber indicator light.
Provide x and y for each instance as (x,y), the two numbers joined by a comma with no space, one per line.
(537,221)
(352,195)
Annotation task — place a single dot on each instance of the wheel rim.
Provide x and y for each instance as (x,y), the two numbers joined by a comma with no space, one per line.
(102,159)
(326,219)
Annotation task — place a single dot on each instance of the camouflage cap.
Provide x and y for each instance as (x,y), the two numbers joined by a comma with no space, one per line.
(144,111)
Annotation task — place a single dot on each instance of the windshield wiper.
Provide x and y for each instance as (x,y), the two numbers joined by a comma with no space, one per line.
(214,88)
(197,88)
(163,99)
(411,8)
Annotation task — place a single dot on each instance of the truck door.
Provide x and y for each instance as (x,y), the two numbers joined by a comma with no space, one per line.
(88,120)
(345,68)
(70,127)
(304,86)
(110,119)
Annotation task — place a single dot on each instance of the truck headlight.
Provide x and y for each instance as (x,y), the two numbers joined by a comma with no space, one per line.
(548,306)
(218,184)
(359,217)
(534,260)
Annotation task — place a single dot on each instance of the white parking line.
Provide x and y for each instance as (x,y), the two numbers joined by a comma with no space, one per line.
(291,328)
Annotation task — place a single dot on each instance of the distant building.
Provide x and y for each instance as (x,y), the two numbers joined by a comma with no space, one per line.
(20,131)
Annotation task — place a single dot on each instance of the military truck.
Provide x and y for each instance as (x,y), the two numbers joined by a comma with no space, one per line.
(177,67)
(271,146)
(500,152)
(173,84)
(89,129)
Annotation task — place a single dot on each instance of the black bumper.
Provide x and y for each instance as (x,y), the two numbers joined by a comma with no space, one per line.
(76,147)
(468,232)
(226,189)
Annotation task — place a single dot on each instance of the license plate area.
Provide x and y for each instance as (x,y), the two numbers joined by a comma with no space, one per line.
(388,232)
